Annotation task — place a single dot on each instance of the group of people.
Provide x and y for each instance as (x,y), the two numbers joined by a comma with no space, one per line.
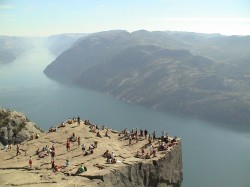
(45,151)
(98,134)
(164,142)
(110,157)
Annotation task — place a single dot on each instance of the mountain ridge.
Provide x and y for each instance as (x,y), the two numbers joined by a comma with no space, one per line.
(178,72)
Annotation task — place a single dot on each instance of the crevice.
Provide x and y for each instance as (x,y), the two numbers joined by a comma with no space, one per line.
(34,183)
(99,177)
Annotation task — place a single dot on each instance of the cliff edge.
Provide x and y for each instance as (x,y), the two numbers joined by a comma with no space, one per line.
(15,127)
(163,168)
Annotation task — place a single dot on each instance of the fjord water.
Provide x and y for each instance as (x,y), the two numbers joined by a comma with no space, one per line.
(212,156)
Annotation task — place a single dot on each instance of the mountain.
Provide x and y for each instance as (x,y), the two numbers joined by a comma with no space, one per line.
(11,47)
(61,42)
(204,75)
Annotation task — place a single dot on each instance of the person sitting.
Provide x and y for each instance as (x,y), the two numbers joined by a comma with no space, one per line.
(72,138)
(70,121)
(67,163)
(105,154)
(147,156)
(83,148)
(91,146)
(98,134)
(80,170)
(106,133)
(174,140)
(93,128)
(149,139)
(62,125)
(37,151)
(57,168)
(37,136)
(138,154)
(52,129)
(111,160)
(154,153)
(42,154)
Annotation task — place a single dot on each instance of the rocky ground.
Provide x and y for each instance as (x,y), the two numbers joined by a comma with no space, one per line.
(15,127)
(15,170)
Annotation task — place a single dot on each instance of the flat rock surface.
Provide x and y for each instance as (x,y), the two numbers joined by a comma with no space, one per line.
(15,170)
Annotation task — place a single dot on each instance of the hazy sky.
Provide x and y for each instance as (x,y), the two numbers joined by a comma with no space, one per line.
(46,17)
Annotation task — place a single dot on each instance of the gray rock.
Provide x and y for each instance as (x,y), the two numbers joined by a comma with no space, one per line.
(15,127)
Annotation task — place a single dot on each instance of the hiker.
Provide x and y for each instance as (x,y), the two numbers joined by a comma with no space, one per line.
(80,170)
(79,141)
(174,140)
(130,139)
(30,162)
(52,129)
(52,156)
(18,150)
(52,148)
(37,136)
(147,156)
(141,132)
(67,164)
(106,133)
(151,148)
(78,120)
(72,137)
(62,125)
(52,165)
(146,133)
(105,154)
(83,149)
(38,151)
(154,153)
(142,152)
(68,145)
(154,135)
(149,139)
(70,121)
(57,168)
(138,154)
(42,154)
(98,134)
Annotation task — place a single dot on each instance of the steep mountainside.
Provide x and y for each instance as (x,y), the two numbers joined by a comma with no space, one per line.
(195,74)
(11,47)
(59,43)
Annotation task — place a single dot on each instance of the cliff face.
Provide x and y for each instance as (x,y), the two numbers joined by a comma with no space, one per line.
(166,172)
(15,127)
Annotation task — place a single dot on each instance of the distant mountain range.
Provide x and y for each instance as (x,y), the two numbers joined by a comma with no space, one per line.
(204,75)
(11,47)
(61,42)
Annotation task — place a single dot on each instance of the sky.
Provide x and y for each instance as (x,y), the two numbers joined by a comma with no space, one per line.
(49,17)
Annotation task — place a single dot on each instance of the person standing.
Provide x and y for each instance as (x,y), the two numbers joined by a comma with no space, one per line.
(30,162)
(79,141)
(52,156)
(68,145)
(18,150)
(78,120)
